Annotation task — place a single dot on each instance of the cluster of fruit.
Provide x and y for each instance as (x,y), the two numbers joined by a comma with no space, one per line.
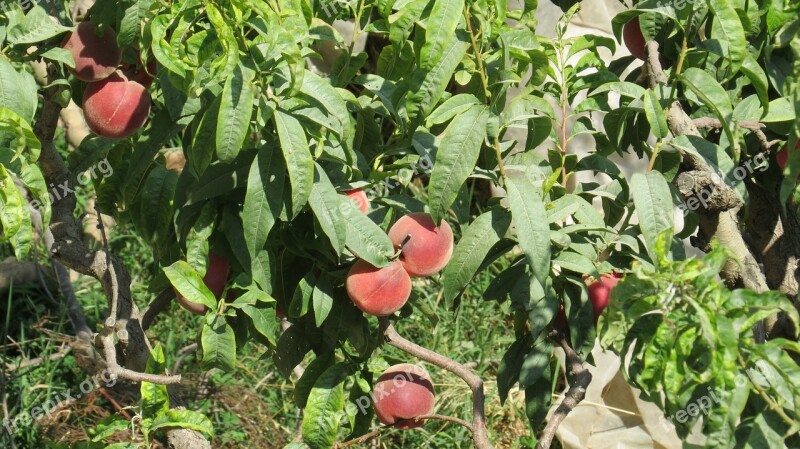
(116,102)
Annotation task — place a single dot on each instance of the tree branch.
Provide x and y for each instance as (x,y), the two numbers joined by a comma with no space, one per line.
(475,383)
(579,378)
(159,304)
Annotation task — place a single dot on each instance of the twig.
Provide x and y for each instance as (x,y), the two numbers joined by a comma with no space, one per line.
(114,402)
(38,360)
(755,127)
(182,354)
(579,378)
(479,435)
(159,304)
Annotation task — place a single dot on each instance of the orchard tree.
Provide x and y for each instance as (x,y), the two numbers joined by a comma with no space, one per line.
(325,197)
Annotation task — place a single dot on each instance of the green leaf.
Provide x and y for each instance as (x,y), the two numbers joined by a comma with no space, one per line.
(292,348)
(712,94)
(326,204)
(364,238)
(456,158)
(298,158)
(184,419)
(440,27)
(155,398)
(534,366)
(37,26)
(758,79)
(450,108)
(310,376)
(59,54)
(323,410)
(15,216)
(263,201)
(201,152)
(510,365)
(15,88)
(265,321)
(425,87)
(322,299)
(728,28)
(219,344)
(133,18)
(226,63)
(530,220)
(189,283)
(655,115)
(468,255)
(653,201)
(235,110)
(155,208)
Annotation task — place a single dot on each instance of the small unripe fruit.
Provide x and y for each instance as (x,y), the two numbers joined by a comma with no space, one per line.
(116,107)
(426,249)
(402,393)
(600,292)
(378,291)
(782,157)
(360,198)
(96,57)
(633,38)
(215,279)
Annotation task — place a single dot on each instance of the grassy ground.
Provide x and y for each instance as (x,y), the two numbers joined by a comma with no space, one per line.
(253,406)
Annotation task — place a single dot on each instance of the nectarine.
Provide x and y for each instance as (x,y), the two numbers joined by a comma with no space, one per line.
(782,157)
(426,249)
(378,291)
(116,107)
(359,197)
(96,56)
(600,291)
(215,279)
(402,393)
(633,38)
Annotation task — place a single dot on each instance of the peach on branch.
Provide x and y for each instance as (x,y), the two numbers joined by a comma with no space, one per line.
(401,394)
(359,197)
(116,107)
(782,157)
(378,291)
(633,38)
(600,292)
(215,279)
(425,248)
(96,55)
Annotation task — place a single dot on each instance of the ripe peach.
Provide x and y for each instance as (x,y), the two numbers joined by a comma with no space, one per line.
(378,291)
(426,249)
(116,107)
(782,157)
(96,57)
(215,279)
(600,292)
(633,38)
(402,393)
(360,198)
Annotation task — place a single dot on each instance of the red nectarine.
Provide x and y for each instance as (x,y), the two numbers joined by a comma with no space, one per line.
(782,157)
(378,291)
(359,197)
(115,107)
(96,56)
(426,249)
(600,291)
(215,279)
(633,38)
(402,393)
